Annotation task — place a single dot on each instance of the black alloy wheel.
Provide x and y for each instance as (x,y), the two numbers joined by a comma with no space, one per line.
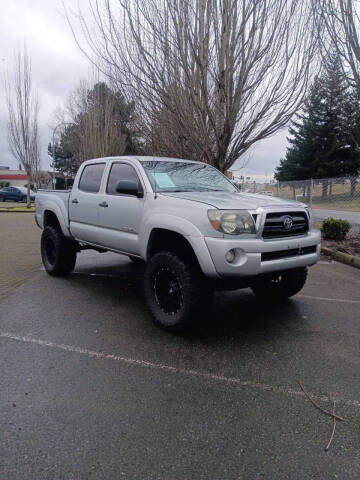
(167,290)
(176,292)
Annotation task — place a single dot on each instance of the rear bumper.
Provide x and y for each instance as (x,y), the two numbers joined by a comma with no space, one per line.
(248,259)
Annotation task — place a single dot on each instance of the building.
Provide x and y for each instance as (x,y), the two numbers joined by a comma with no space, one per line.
(15,178)
(18,178)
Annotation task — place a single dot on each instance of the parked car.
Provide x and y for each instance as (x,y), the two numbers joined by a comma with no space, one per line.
(16,194)
(267,192)
(193,230)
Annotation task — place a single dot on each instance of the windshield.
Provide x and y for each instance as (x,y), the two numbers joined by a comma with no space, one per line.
(186,177)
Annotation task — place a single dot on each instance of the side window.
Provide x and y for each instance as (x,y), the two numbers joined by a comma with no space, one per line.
(120,171)
(91,177)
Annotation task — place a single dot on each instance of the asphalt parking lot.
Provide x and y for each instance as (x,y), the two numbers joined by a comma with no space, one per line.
(90,388)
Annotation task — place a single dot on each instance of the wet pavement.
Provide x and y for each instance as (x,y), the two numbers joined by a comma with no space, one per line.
(90,388)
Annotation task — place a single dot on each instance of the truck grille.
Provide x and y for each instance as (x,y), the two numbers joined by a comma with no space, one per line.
(285,224)
(292,252)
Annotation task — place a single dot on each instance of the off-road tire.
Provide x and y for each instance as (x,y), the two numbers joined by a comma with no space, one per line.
(195,295)
(280,286)
(57,252)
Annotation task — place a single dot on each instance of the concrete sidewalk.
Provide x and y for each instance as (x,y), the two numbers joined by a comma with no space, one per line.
(20,250)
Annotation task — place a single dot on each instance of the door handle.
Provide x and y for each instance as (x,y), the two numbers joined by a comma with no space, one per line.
(103,204)
(75,200)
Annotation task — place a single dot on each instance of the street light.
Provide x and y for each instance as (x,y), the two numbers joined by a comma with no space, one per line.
(53,146)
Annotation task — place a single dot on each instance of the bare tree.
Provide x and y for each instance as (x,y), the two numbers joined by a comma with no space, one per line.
(23,109)
(338,23)
(210,77)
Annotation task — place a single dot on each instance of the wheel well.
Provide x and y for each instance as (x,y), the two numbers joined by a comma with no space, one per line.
(162,239)
(51,220)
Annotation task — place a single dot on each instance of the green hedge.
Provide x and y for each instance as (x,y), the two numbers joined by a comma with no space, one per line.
(333,229)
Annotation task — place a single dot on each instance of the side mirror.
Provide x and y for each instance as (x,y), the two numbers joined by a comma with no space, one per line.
(129,187)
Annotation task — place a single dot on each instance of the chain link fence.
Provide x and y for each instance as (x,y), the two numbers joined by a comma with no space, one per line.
(327,197)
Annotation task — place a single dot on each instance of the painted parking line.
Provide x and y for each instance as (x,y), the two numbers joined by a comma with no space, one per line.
(325,299)
(168,368)
(310,297)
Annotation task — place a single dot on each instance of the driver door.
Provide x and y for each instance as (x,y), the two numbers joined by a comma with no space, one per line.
(120,215)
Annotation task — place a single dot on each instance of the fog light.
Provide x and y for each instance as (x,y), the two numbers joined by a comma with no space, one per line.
(230,256)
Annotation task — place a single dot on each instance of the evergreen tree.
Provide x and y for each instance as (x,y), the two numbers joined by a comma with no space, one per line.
(322,141)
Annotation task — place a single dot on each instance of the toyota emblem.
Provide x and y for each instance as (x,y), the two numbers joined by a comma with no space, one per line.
(287,222)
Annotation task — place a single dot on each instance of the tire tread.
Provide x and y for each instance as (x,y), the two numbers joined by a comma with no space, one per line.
(294,281)
(193,290)
(65,253)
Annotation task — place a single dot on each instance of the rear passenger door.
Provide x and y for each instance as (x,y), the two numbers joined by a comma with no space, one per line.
(84,204)
(120,214)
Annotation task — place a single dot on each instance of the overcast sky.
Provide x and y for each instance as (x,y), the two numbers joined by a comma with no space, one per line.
(57,67)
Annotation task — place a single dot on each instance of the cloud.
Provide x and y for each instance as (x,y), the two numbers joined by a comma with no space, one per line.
(58,65)
(265,155)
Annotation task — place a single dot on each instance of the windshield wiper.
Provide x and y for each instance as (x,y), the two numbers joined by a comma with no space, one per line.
(171,191)
(212,190)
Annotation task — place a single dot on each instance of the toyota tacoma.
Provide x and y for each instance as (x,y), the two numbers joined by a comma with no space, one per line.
(192,228)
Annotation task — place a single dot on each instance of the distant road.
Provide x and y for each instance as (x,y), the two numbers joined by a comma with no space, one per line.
(352,217)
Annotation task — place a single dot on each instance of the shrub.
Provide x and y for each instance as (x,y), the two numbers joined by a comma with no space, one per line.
(333,229)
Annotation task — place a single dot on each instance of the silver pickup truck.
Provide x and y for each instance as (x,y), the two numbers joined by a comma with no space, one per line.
(190,226)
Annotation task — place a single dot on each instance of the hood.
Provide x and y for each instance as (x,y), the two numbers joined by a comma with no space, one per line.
(234,201)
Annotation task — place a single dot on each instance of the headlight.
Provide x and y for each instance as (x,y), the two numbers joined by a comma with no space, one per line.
(232,222)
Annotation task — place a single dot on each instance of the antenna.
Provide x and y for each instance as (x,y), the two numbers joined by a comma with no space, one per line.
(154,176)
(155,192)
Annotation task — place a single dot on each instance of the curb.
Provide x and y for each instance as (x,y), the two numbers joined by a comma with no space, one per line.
(342,257)
(17,211)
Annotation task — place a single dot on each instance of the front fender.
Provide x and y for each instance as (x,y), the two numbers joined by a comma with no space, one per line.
(184,228)
(167,222)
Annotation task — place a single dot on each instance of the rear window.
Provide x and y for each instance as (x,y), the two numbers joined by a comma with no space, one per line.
(91,177)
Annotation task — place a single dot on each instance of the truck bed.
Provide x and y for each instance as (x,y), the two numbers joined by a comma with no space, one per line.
(56,201)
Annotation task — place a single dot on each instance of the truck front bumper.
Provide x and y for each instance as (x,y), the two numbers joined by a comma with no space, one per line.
(257,256)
